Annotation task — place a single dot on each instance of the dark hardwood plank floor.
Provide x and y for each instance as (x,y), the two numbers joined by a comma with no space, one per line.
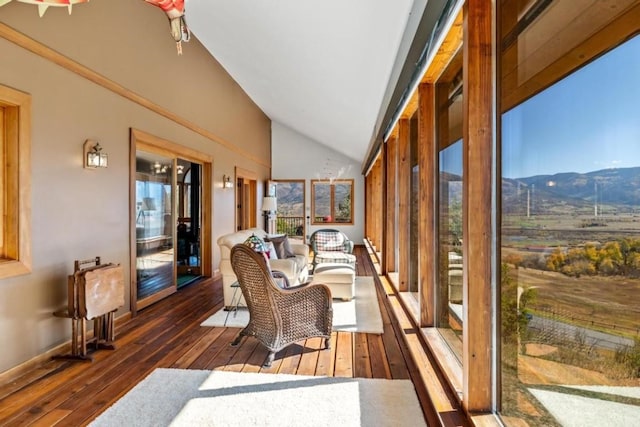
(168,335)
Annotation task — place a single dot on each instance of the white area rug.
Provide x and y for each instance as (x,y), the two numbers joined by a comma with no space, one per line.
(577,411)
(361,314)
(180,397)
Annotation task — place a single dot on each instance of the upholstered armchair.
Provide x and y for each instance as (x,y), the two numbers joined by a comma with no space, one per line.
(279,317)
(331,246)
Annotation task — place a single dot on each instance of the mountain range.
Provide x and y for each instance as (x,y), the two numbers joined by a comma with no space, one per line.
(616,190)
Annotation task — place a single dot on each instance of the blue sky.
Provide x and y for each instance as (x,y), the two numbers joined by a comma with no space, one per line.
(586,122)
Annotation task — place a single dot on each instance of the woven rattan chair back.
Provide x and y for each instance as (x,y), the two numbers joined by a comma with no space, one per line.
(258,287)
(279,317)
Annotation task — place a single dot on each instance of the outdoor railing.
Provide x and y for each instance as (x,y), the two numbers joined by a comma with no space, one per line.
(290,225)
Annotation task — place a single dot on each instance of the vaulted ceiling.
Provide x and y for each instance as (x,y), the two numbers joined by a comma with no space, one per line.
(322,68)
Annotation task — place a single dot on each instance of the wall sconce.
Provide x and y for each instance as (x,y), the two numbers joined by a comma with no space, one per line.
(226,181)
(93,155)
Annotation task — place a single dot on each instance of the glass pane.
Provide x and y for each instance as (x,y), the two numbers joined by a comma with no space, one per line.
(342,202)
(414,233)
(332,201)
(290,214)
(321,202)
(449,303)
(154,224)
(570,255)
(450,247)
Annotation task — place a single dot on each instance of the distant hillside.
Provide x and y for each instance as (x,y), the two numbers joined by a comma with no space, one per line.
(613,190)
(290,199)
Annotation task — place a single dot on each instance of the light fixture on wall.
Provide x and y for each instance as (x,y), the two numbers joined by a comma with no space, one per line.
(93,155)
(226,181)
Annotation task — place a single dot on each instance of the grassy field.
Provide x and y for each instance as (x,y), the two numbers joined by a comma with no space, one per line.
(610,302)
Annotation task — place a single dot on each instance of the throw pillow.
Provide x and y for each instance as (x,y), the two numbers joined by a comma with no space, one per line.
(271,250)
(283,248)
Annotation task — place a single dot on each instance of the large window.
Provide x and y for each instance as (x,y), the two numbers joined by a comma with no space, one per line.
(570,219)
(449,312)
(332,201)
(291,209)
(414,234)
(15,158)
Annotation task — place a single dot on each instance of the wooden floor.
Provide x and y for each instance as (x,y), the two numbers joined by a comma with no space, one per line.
(168,335)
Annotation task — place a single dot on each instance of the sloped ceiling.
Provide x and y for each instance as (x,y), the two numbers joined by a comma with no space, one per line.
(320,68)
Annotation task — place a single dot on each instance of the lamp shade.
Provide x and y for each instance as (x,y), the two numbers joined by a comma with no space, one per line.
(269,204)
(256,243)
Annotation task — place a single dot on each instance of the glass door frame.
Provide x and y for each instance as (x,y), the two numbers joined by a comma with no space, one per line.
(143,141)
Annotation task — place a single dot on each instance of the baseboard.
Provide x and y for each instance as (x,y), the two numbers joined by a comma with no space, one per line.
(64,348)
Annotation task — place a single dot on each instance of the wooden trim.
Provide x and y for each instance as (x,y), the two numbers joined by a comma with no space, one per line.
(427,210)
(446,52)
(133,292)
(443,401)
(478,129)
(154,298)
(16,183)
(404,203)
(384,212)
(206,250)
(63,61)
(170,149)
(245,173)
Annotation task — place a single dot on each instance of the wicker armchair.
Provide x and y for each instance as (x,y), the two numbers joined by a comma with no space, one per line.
(279,317)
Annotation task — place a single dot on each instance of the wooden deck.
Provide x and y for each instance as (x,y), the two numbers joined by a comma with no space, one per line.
(168,335)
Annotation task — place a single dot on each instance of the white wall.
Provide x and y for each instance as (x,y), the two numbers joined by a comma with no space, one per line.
(295,156)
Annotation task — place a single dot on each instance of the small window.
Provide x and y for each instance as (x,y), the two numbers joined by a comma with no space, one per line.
(332,201)
(15,231)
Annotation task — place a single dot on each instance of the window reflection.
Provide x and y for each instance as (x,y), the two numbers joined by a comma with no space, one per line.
(570,255)
(449,303)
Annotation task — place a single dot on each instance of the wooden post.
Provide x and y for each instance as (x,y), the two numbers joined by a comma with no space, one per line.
(427,209)
(391,159)
(478,129)
(404,203)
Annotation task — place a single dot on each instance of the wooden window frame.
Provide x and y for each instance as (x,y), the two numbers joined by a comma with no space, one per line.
(15,182)
(332,185)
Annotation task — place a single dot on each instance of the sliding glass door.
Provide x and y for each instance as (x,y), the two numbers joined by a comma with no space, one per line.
(154,204)
(170,217)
